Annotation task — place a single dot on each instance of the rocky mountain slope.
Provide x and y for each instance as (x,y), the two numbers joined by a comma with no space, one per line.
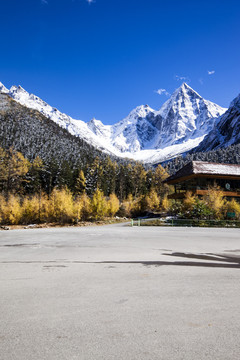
(226,131)
(145,134)
(34,134)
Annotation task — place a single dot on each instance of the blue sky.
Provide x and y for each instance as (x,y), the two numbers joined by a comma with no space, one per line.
(102,58)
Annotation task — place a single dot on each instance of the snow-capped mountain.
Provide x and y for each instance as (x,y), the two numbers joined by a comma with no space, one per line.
(34,134)
(75,127)
(186,115)
(226,130)
(145,134)
(154,136)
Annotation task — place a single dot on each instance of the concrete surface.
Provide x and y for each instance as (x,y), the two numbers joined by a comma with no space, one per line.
(116,292)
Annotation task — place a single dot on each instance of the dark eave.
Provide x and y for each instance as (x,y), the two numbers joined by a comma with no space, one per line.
(205,169)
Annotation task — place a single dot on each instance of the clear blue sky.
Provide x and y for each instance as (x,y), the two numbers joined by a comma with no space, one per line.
(101,59)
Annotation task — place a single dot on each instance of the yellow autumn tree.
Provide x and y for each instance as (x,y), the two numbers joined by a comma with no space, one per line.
(189,201)
(77,208)
(2,206)
(166,204)
(152,201)
(127,205)
(113,205)
(99,205)
(30,210)
(61,205)
(214,199)
(85,205)
(11,210)
(14,167)
(159,175)
(35,208)
(80,185)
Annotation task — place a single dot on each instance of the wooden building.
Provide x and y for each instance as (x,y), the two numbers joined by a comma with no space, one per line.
(197,176)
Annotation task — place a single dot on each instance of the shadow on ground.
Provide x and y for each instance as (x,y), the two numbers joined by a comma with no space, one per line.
(213,260)
(210,260)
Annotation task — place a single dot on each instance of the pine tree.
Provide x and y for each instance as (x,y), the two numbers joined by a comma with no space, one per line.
(80,184)
(15,167)
(159,176)
(139,180)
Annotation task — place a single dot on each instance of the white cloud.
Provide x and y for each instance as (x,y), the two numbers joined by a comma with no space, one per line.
(211,72)
(90,1)
(182,78)
(45,2)
(161,92)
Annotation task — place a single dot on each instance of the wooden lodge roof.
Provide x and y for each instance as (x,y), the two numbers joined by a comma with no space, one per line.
(204,168)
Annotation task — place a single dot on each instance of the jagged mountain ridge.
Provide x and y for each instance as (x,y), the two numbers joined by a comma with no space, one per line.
(75,127)
(185,117)
(34,134)
(226,131)
(145,134)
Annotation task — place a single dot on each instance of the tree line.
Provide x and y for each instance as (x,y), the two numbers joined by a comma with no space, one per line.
(34,192)
(38,192)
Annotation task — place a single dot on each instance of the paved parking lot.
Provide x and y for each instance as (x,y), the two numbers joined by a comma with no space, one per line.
(117,292)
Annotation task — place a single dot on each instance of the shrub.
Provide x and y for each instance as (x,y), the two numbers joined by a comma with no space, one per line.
(61,205)
(215,201)
(11,210)
(234,207)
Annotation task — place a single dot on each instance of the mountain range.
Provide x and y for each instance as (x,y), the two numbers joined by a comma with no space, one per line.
(186,121)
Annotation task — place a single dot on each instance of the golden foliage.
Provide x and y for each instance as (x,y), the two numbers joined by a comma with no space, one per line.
(80,185)
(30,209)
(99,206)
(86,206)
(166,204)
(189,201)
(233,206)
(61,205)
(77,208)
(113,205)
(11,211)
(215,200)
(128,205)
(152,200)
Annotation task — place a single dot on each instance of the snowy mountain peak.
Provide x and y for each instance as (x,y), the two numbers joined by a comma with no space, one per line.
(18,89)
(94,123)
(139,111)
(145,134)
(185,91)
(3,89)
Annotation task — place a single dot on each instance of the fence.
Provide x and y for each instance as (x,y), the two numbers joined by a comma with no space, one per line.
(186,222)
